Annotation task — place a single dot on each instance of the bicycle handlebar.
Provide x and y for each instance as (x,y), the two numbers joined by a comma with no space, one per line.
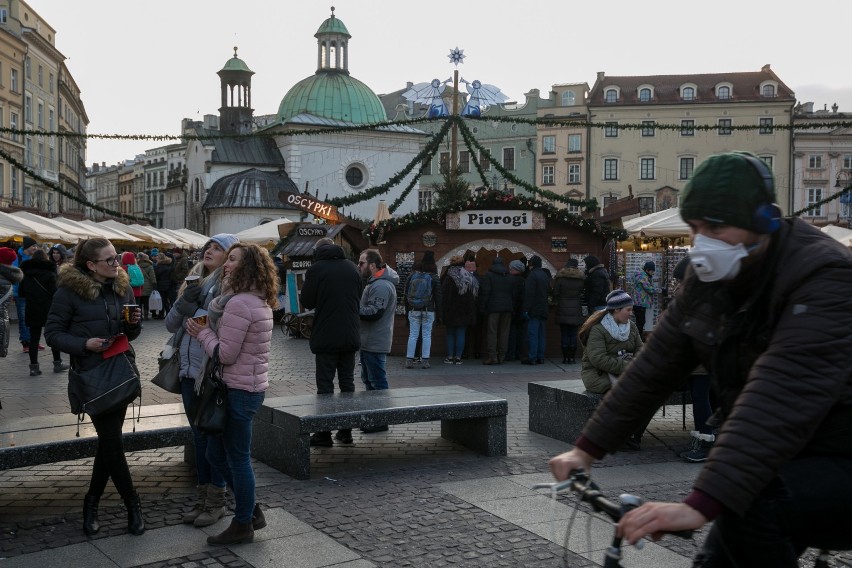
(579,482)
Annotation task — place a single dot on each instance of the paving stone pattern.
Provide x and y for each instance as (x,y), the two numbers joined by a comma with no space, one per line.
(381,498)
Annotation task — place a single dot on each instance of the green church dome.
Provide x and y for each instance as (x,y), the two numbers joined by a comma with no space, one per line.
(236,64)
(332,26)
(334,95)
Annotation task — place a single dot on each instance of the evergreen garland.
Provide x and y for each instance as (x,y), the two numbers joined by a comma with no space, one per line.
(660,126)
(821,202)
(397,177)
(58,189)
(499,200)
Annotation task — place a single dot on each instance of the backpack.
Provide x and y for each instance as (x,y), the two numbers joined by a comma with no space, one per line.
(419,292)
(136,277)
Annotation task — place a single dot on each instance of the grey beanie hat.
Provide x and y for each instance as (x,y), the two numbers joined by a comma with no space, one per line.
(224,240)
(517,266)
(618,299)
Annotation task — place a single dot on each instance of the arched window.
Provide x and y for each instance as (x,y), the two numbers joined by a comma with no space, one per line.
(769,90)
(568,98)
(724,93)
(611,96)
(645,95)
(688,94)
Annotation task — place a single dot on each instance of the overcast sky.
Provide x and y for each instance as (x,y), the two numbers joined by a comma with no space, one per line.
(142,66)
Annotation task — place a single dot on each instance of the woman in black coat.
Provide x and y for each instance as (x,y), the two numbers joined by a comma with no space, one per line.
(84,321)
(38,288)
(459,290)
(568,288)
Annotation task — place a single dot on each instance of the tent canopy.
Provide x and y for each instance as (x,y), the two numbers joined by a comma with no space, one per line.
(665,223)
(264,235)
(840,234)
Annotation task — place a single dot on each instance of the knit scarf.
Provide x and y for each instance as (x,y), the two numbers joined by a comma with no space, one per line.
(464,280)
(619,331)
(214,316)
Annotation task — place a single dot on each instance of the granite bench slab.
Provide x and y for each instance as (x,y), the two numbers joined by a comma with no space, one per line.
(560,409)
(38,440)
(283,425)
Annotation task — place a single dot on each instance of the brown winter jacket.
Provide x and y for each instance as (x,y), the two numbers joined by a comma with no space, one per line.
(776,341)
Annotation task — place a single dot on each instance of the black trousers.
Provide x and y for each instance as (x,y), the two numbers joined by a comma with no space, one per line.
(639,312)
(341,362)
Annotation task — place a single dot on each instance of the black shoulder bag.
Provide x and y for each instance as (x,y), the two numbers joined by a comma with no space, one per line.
(212,405)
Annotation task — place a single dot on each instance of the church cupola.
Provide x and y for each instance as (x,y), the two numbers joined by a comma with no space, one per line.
(236,114)
(332,46)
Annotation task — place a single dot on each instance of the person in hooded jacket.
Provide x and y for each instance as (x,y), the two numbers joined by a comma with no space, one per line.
(376,310)
(597,284)
(84,320)
(37,288)
(163,273)
(536,309)
(568,288)
(332,288)
(498,296)
(9,276)
(194,301)
(147,268)
(58,255)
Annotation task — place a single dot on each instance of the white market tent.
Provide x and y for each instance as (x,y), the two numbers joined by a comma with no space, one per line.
(35,229)
(113,234)
(264,235)
(840,234)
(197,238)
(193,241)
(666,223)
(75,231)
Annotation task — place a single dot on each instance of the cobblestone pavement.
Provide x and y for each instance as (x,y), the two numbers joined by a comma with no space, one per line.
(402,498)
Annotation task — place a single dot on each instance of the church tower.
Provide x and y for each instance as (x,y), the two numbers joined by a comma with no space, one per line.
(235,114)
(332,46)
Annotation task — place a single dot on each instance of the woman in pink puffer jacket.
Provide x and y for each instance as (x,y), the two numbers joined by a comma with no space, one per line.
(239,324)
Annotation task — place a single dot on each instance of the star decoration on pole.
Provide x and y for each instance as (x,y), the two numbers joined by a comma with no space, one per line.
(456,56)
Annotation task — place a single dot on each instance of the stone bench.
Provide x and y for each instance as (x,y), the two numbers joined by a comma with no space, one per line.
(283,425)
(38,440)
(560,409)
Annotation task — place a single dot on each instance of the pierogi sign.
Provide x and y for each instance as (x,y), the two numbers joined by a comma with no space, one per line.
(489,220)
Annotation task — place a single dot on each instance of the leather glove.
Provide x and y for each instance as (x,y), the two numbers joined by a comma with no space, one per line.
(191,294)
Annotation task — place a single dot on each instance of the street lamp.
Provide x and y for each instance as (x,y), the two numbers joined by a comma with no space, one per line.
(846,195)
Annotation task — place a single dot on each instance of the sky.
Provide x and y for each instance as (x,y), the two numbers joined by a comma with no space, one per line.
(143,65)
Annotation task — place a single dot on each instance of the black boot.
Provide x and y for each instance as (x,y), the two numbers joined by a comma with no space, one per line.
(258,520)
(236,533)
(90,515)
(135,522)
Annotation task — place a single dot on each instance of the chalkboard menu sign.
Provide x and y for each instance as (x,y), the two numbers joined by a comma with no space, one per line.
(558,244)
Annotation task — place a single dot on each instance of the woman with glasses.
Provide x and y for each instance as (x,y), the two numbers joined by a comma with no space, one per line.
(239,327)
(85,319)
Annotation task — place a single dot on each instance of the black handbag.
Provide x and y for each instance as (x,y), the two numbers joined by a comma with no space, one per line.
(211,411)
(168,377)
(108,386)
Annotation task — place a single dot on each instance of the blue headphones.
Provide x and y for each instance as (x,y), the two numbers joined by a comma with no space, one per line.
(767,217)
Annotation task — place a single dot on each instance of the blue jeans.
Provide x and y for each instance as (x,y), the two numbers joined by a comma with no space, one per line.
(807,505)
(23,330)
(205,472)
(373,370)
(418,321)
(230,451)
(455,341)
(536,338)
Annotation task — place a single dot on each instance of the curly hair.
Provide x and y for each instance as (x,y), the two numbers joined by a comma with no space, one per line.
(256,271)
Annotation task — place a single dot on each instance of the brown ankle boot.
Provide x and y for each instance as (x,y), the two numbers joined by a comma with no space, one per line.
(236,533)
(198,506)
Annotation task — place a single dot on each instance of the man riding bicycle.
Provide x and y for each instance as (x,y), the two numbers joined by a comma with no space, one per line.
(766,307)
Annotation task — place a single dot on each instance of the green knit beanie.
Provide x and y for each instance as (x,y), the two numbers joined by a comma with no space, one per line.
(725,189)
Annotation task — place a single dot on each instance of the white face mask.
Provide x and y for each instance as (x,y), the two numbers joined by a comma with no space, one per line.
(714,260)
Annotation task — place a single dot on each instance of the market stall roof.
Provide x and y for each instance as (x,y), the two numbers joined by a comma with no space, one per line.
(264,235)
(92,230)
(146,234)
(38,230)
(190,242)
(840,234)
(302,246)
(197,238)
(665,223)
(75,231)
(114,234)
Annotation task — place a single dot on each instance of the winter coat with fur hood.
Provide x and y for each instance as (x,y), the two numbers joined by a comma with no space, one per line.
(244,337)
(84,308)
